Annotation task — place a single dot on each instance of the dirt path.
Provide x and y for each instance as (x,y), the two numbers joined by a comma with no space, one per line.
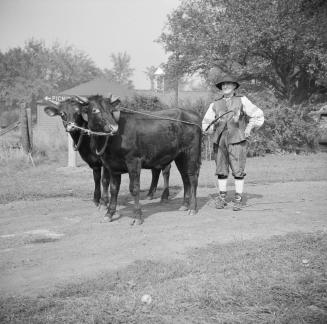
(48,243)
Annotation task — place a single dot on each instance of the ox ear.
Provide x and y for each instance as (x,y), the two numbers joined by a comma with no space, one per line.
(116,115)
(51,111)
(114,101)
(83,112)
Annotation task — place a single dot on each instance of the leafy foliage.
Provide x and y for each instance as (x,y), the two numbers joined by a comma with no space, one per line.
(9,117)
(139,102)
(121,71)
(286,129)
(31,72)
(281,44)
(150,70)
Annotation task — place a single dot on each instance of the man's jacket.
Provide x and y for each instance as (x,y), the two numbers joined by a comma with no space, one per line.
(234,123)
(244,115)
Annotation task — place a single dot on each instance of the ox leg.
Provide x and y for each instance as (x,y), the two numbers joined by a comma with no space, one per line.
(97,185)
(134,171)
(165,175)
(105,186)
(154,183)
(115,180)
(193,162)
(193,176)
(181,166)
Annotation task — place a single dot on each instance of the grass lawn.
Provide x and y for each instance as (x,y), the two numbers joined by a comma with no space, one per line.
(280,280)
(56,180)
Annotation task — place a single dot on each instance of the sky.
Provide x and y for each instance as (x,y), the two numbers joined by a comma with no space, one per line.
(97,27)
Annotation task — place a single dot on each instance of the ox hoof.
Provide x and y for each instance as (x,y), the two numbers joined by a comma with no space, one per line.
(101,207)
(165,196)
(116,215)
(183,208)
(149,197)
(104,202)
(138,221)
(191,212)
(106,219)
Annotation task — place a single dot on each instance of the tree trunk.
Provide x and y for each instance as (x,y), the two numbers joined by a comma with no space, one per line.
(301,90)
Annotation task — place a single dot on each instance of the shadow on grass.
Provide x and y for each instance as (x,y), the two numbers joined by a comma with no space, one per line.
(42,240)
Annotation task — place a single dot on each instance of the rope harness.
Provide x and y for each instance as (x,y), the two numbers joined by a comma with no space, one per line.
(90,132)
(77,146)
(158,117)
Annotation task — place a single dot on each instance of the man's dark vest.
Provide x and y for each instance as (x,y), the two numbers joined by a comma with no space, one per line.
(233,123)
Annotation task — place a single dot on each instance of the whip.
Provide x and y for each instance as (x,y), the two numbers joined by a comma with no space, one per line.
(227,112)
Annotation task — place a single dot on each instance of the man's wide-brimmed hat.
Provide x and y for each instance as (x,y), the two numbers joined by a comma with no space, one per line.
(226,79)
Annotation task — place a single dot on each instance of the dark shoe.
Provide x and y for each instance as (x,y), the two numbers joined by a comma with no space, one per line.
(220,201)
(237,203)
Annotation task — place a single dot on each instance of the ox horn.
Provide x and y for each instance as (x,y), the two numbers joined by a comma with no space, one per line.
(56,103)
(81,99)
(112,98)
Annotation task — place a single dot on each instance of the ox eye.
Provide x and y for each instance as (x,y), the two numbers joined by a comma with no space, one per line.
(95,110)
(63,115)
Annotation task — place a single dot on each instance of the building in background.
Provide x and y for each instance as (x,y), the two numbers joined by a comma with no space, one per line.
(159,80)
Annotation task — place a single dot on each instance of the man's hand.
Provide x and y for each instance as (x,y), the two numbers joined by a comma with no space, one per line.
(247,132)
(207,132)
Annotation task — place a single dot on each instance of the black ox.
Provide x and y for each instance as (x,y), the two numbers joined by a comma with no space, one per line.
(137,141)
(70,113)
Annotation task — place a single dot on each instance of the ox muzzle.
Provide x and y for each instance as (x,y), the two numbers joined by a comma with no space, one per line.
(111,129)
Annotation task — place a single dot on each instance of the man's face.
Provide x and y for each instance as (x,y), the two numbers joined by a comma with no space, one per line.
(228,88)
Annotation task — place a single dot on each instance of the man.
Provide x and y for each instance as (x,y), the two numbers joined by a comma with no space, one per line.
(231,132)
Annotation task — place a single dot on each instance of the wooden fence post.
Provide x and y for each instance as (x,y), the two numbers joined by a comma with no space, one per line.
(24,128)
(30,128)
(71,152)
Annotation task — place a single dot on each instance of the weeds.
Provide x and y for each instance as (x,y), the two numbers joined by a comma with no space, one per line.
(242,282)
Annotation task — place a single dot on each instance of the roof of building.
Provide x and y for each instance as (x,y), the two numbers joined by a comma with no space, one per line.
(100,86)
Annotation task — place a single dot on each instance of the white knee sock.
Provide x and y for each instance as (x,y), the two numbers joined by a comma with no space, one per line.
(239,183)
(222,184)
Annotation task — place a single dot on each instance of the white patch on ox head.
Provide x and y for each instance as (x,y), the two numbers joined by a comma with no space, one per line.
(51,111)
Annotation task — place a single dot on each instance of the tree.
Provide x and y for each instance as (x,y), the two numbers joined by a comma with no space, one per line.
(281,44)
(150,70)
(31,72)
(121,71)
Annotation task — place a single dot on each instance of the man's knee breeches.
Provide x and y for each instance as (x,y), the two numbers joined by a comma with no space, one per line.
(230,155)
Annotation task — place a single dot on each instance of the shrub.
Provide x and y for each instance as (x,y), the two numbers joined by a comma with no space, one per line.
(200,105)
(139,102)
(9,117)
(286,129)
